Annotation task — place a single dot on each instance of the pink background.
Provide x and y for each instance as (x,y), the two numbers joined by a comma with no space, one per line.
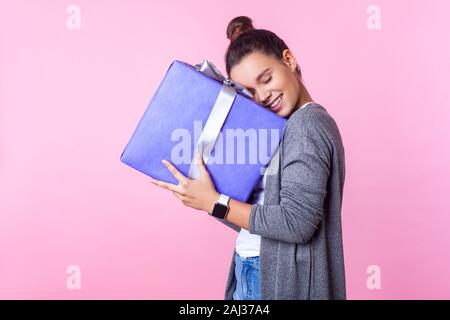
(70,100)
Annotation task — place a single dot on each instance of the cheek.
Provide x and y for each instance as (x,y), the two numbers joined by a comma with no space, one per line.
(292,89)
(280,86)
(285,84)
(289,92)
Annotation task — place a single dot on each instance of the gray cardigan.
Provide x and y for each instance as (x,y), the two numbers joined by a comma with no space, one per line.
(301,255)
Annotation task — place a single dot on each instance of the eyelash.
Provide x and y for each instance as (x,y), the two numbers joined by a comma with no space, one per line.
(265,82)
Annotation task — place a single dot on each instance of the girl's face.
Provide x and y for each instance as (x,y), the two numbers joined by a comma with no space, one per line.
(272,82)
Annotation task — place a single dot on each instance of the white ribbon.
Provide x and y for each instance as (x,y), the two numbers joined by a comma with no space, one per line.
(216,118)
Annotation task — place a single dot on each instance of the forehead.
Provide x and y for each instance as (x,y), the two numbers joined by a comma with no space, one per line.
(251,66)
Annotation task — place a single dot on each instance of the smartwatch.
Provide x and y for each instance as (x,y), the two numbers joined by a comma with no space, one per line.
(221,207)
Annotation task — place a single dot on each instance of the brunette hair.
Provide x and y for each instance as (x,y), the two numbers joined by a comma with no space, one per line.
(245,39)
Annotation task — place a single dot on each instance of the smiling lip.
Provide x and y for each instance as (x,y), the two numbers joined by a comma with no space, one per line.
(278,106)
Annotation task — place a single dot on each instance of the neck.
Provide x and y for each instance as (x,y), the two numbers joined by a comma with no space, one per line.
(305,97)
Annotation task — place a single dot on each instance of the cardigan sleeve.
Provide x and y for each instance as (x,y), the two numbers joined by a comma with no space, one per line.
(305,168)
(229,224)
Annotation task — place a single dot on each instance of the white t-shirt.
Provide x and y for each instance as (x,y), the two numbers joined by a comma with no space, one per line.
(248,244)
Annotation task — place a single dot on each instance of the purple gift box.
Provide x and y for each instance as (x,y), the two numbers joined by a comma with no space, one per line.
(196,109)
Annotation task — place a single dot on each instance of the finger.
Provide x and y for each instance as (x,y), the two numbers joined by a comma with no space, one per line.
(174,171)
(166,185)
(200,163)
(177,195)
(180,196)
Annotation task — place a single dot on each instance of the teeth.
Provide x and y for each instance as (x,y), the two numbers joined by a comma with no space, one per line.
(276,102)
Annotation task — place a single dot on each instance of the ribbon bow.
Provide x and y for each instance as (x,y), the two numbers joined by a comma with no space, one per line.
(211,70)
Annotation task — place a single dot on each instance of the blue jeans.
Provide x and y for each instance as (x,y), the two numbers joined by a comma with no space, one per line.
(247,278)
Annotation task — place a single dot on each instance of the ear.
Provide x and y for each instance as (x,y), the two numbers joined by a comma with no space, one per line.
(289,59)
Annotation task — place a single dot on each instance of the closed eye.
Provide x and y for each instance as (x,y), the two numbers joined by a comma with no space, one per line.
(265,82)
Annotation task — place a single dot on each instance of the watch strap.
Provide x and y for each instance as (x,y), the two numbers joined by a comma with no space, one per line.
(223,199)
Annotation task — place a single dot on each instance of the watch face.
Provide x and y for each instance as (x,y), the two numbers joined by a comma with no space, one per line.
(219,211)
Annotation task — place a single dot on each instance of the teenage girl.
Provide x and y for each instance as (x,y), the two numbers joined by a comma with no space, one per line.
(290,237)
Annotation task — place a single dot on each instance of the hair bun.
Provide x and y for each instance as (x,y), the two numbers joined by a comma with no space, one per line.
(238,26)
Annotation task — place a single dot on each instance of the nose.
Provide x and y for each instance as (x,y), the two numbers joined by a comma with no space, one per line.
(265,96)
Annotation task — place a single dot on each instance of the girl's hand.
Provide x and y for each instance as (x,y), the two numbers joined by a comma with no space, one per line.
(199,194)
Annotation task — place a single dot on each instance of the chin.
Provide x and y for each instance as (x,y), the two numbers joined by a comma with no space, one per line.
(285,112)
(282,113)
